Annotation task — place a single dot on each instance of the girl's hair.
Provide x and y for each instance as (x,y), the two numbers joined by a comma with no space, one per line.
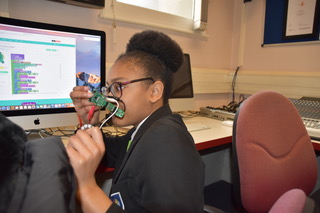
(157,55)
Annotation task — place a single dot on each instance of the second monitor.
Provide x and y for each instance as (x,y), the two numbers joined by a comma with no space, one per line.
(182,96)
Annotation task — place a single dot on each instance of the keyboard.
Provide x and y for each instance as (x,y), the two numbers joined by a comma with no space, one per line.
(309,109)
(196,127)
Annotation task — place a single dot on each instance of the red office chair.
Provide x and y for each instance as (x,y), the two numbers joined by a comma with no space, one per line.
(272,152)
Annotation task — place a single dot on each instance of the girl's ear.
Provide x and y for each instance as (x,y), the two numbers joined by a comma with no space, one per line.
(156,91)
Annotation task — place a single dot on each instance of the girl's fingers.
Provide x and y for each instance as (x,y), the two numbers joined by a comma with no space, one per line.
(96,135)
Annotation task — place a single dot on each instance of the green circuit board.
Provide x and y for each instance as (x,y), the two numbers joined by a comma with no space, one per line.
(99,100)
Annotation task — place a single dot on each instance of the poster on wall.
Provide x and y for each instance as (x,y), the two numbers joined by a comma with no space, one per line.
(301,19)
(291,21)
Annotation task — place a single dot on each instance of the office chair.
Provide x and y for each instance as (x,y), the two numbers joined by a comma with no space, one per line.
(272,152)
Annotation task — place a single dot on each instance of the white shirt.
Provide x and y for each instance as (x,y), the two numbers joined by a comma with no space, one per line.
(136,130)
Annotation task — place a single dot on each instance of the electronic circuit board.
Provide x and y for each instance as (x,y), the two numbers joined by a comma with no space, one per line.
(99,100)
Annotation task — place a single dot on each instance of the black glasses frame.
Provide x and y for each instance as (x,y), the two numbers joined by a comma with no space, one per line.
(116,87)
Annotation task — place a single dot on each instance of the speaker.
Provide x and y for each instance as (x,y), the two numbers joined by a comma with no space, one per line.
(200,23)
(85,3)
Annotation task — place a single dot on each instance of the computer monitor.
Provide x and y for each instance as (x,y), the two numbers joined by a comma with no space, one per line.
(182,96)
(40,63)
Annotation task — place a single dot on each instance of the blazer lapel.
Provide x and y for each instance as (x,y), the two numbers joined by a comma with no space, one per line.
(163,111)
(125,159)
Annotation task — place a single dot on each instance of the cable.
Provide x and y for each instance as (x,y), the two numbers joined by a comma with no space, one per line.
(234,82)
(112,114)
(90,115)
(91,112)
(188,113)
(233,105)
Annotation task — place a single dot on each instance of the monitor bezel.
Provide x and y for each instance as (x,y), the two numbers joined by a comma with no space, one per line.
(187,63)
(61,28)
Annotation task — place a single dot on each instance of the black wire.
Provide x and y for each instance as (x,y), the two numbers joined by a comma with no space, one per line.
(233,105)
(234,83)
(188,113)
(64,131)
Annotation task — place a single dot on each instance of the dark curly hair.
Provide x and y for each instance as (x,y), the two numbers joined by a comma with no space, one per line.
(157,55)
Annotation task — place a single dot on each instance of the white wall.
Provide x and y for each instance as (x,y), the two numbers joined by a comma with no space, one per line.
(211,52)
(284,58)
(291,69)
(219,51)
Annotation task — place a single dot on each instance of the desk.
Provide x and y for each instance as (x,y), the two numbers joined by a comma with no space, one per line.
(218,134)
(316,145)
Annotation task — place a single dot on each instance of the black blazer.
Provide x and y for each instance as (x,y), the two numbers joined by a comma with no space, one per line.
(46,181)
(161,172)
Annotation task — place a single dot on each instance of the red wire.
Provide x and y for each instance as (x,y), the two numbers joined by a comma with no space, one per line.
(90,114)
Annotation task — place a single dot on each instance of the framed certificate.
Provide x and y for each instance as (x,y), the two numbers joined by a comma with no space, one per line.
(301,19)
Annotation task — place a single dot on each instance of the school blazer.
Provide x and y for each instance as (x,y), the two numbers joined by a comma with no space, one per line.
(46,181)
(161,172)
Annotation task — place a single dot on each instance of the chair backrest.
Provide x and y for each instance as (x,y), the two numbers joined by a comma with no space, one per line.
(272,151)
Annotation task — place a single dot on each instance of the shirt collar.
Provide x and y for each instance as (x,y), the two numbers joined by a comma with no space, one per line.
(136,130)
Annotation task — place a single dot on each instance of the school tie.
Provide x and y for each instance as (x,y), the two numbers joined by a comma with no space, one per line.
(129,144)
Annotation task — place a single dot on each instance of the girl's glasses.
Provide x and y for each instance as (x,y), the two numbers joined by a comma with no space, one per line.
(116,87)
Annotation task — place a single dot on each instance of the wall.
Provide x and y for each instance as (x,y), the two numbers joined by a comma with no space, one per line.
(285,58)
(230,42)
(292,69)
(209,52)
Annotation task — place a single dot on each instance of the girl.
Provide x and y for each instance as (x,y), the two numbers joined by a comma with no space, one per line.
(157,167)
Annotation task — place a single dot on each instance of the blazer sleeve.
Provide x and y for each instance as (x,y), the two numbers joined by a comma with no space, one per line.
(114,208)
(48,179)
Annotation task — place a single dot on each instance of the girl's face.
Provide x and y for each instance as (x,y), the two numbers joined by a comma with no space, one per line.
(137,97)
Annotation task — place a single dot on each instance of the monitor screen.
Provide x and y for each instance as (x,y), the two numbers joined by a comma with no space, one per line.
(182,80)
(39,66)
(182,89)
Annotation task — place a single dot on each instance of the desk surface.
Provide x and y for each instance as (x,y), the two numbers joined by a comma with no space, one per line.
(215,136)
(218,134)
(216,130)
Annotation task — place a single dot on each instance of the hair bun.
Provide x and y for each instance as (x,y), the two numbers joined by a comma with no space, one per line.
(158,44)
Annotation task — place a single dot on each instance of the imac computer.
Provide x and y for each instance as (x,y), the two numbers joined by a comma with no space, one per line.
(40,64)
(182,97)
